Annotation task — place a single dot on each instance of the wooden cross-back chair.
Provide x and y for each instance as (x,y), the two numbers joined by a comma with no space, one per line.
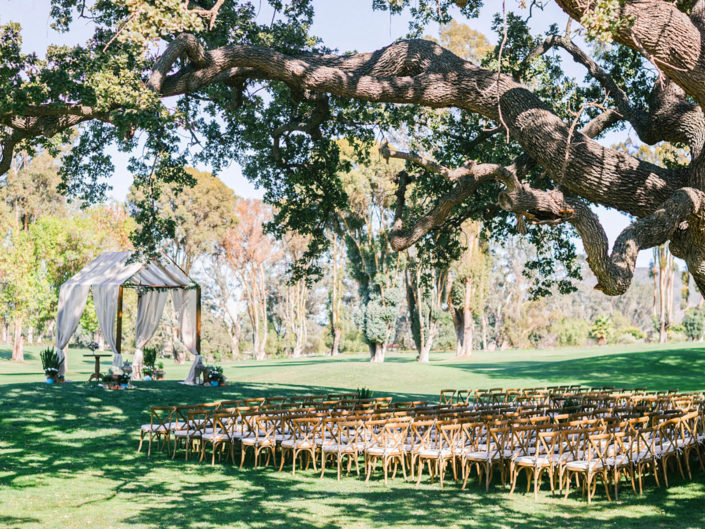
(262,437)
(444,449)
(592,466)
(538,444)
(348,441)
(385,443)
(161,423)
(302,441)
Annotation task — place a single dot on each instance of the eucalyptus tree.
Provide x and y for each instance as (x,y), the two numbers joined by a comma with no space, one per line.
(520,144)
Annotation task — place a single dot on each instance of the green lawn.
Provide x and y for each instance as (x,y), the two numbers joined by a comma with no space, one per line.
(67,452)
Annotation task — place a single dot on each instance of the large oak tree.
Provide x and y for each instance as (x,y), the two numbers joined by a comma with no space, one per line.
(517,143)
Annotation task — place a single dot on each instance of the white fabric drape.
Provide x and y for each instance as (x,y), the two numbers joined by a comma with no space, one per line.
(105,298)
(150,306)
(185,308)
(104,275)
(72,302)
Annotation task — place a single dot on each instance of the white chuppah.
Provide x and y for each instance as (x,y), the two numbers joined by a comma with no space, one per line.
(154,279)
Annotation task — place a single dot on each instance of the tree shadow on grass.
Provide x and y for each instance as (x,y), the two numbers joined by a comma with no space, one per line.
(272,499)
(656,370)
(62,433)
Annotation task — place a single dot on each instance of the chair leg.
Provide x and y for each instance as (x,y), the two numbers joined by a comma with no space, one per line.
(537,473)
(418,479)
(604,482)
(139,448)
(512,477)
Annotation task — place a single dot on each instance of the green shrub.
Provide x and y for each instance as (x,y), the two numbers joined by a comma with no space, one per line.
(364,393)
(635,332)
(602,329)
(150,356)
(571,331)
(693,323)
(677,328)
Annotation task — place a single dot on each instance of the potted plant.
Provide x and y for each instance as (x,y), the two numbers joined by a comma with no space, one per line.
(148,372)
(109,380)
(125,375)
(364,393)
(215,376)
(51,364)
(123,380)
(159,371)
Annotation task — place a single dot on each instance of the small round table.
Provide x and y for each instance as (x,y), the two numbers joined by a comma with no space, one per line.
(97,375)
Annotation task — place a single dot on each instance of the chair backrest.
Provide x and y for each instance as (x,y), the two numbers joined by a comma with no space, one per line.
(547,441)
(599,447)
(350,432)
(306,429)
(394,435)
(223,423)
(447,435)
(447,396)
(419,437)
(278,401)
(162,417)
(266,427)
(472,434)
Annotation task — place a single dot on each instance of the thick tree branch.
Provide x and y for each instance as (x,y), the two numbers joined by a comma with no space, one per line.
(421,72)
(309,123)
(8,149)
(662,33)
(671,118)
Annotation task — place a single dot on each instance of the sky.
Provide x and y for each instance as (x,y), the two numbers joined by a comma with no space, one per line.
(343,24)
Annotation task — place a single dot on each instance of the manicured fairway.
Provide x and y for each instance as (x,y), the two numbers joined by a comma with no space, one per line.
(67,452)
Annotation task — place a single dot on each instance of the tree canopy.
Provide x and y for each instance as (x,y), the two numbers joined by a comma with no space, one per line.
(493,133)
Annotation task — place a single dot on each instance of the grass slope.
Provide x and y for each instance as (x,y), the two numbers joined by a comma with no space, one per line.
(67,453)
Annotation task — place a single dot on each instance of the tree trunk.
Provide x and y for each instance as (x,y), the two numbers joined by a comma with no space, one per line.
(18,343)
(425,353)
(377,351)
(483,321)
(335,346)
(234,342)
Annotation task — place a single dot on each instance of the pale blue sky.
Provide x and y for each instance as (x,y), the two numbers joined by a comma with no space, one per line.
(343,24)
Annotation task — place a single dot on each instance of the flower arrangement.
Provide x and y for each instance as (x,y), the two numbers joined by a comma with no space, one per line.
(117,378)
(93,346)
(215,376)
(51,365)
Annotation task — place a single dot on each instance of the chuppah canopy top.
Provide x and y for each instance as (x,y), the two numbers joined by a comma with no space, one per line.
(154,279)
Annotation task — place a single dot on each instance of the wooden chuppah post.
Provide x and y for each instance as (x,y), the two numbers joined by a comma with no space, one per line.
(118,329)
(198,319)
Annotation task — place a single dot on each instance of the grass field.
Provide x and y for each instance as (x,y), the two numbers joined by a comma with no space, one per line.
(68,460)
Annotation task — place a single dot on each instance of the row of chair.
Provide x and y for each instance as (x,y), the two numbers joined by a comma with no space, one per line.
(513,436)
